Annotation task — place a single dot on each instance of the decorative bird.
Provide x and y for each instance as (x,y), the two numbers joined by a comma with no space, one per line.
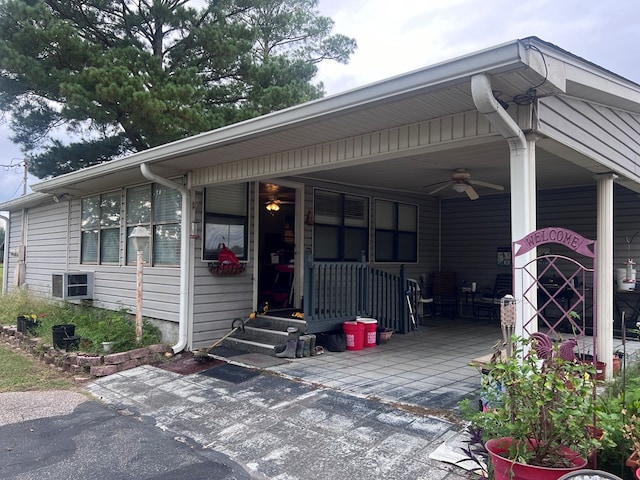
(544,347)
(264,308)
(565,350)
(542,344)
(253,315)
(298,315)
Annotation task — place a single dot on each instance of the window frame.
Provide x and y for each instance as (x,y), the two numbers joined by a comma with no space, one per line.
(396,233)
(210,254)
(150,255)
(341,228)
(100,226)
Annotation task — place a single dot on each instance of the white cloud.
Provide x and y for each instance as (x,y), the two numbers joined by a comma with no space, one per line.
(410,34)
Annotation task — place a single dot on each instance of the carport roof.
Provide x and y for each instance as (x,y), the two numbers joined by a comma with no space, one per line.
(431,92)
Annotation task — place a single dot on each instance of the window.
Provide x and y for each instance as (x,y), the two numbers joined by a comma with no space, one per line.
(341,226)
(158,208)
(100,229)
(225,220)
(396,232)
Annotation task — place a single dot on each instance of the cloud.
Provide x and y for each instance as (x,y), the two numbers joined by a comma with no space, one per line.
(414,34)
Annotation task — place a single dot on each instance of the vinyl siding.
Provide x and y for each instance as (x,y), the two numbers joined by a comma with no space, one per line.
(608,135)
(472,231)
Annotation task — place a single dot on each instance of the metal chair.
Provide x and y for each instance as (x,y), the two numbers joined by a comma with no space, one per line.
(445,292)
(586,474)
(420,302)
(489,300)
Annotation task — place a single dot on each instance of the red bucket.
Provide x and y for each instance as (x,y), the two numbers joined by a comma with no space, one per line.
(370,328)
(355,335)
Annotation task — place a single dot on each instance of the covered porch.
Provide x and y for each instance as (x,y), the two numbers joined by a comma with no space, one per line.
(430,369)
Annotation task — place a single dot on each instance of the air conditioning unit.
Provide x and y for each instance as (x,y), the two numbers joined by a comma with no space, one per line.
(72,285)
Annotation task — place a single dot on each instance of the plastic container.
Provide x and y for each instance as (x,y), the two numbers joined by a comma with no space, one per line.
(62,332)
(355,335)
(621,276)
(370,330)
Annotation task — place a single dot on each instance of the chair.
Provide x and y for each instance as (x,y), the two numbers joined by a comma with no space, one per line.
(418,301)
(489,299)
(585,474)
(445,292)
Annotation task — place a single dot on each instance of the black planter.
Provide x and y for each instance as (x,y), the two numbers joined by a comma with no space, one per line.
(26,325)
(20,323)
(61,333)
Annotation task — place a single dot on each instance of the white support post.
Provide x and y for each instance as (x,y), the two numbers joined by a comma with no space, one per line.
(604,274)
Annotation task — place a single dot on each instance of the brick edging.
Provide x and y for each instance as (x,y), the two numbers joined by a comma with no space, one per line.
(82,366)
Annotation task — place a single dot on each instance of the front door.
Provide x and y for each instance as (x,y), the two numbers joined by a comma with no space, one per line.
(276,245)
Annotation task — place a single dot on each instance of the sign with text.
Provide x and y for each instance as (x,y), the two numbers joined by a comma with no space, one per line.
(563,236)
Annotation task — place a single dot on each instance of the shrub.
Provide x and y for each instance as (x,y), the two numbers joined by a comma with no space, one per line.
(93,325)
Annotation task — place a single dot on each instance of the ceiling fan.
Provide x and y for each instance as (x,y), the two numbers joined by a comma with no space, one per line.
(273,204)
(461,182)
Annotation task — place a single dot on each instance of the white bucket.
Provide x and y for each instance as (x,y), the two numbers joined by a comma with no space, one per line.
(630,284)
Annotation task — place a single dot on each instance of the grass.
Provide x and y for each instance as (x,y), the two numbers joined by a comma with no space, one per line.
(19,373)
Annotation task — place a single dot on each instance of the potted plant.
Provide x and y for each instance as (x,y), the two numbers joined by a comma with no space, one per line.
(27,323)
(631,432)
(538,412)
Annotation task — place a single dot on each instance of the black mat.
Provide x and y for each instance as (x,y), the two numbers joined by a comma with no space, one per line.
(226,351)
(230,373)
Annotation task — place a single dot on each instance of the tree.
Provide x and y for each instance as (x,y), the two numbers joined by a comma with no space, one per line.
(119,76)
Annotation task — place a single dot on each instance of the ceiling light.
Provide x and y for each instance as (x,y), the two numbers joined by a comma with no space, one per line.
(460,187)
(273,206)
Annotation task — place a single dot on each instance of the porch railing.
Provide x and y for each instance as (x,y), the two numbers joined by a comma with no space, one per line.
(335,292)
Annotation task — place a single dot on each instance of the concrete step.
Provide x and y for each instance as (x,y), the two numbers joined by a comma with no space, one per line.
(273,322)
(248,346)
(262,335)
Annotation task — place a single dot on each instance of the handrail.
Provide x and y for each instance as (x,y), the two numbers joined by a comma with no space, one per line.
(335,292)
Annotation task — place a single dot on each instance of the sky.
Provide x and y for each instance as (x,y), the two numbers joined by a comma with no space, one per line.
(418,33)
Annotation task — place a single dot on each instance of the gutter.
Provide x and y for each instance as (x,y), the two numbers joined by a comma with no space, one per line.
(487,104)
(185,257)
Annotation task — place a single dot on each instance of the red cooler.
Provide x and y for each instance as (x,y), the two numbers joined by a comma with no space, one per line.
(370,328)
(355,335)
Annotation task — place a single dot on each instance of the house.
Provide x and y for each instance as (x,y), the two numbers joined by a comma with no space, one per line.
(549,139)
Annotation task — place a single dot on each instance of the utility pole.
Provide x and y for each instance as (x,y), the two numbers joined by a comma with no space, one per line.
(24,177)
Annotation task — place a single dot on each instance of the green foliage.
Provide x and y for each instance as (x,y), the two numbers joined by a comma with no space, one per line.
(127,76)
(92,325)
(617,406)
(541,404)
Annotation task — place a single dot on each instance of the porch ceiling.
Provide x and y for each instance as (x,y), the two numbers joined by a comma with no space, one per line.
(487,162)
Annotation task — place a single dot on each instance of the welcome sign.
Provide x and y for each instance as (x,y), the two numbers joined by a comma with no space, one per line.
(563,236)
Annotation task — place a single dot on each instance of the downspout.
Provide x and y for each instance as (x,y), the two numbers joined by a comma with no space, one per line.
(522,180)
(5,256)
(185,255)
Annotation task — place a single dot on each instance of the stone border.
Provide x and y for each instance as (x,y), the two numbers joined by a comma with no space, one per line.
(82,366)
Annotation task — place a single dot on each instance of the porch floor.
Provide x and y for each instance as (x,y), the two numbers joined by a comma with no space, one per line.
(430,369)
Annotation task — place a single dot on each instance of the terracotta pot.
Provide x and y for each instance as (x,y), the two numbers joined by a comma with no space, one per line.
(505,469)
(616,363)
(633,462)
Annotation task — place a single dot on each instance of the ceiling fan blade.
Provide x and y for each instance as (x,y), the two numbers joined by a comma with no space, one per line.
(471,193)
(487,184)
(441,187)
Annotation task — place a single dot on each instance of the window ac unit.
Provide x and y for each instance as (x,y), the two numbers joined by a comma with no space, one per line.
(72,285)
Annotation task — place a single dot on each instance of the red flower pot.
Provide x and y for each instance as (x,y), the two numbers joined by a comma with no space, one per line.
(505,469)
